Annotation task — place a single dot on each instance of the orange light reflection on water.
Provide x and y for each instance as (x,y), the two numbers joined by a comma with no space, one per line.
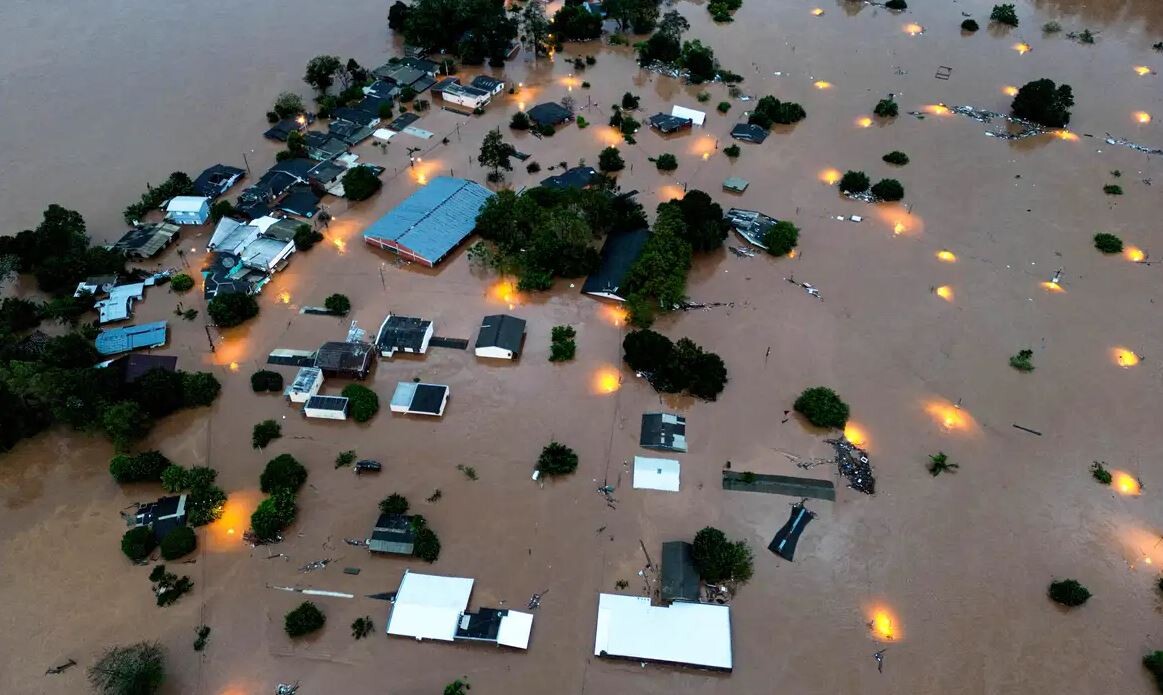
(1142,117)
(607,380)
(1052,287)
(945,292)
(225,535)
(948,416)
(614,314)
(884,625)
(830,176)
(1142,70)
(936,109)
(856,434)
(1009,90)
(505,291)
(1125,484)
(864,122)
(1134,253)
(1124,357)
(946,256)
(913,29)
(1022,47)
(670,191)
(823,84)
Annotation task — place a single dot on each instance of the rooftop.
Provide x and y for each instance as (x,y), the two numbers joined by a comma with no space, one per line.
(619,252)
(336,403)
(698,634)
(680,579)
(402,333)
(216,180)
(668,124)
(419,399)
(503,331)
(489,84)
(146,240)
(128,338)
(663,431)
(434,220)
(393,533)
(428,606)
(749,133)
(656,474)
(344,357)
(577,177)
(186,203)
(549,113)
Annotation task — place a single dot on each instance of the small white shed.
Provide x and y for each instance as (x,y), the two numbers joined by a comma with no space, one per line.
(326,407)
(306,384)
(697,117)
(656,474)
(188,209)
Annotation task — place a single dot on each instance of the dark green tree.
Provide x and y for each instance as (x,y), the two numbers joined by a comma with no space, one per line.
(896,157)
(969,25)
(288,104)
(305,619)
(337,304)
(610,160)
(557,459)
(888,189)
(495,154)
(854,182)
(1004,14)
(1044,102)
(266,380)
(718,559)
(274,514)
(1153,662)
(822,407)
(886,108)
(394,503)
(264,433)
(229,310)
(363,403)
(704,226)
(321,72)
(305,237)
(666,162)
(137,543)
(360,183)
(426,544)
(138,669)
(1108,243)
(1068,592)
(699,60)
(199,389)
(124,423)
(283,472)
(575,23)
(182,283)
(781,238)
(178,542)
(520,121)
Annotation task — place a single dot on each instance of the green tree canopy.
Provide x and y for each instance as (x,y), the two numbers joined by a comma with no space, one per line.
(781,238)
(718,559)
(363,403)
(360,183)
(822,407)
(138,669)
(178,542)
(557,459)
(228,310)
(283,472)
(1044,102)
(137,543)
(304,619)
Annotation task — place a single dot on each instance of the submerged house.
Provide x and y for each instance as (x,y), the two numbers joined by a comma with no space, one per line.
(188,209)
(469,97)
(656,474)
(412,398)
(225,273)
(667,124)
(147,240)
(322,146)
(431,222)
(307,383)
(748,132)
(126,338)
(430,606)
(132,367)
(403,334)
(619,252)
(490,84)
(550,113)
(162,516)
(664,431)
(343,359)
(577,177)
(500,337)
(326,407)
(680,578)
(216,180)
(393,534)
(751,225)
(693,634)
(253,248)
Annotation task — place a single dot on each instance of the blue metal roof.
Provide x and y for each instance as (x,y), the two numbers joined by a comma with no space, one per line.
(128,338)
(434,219)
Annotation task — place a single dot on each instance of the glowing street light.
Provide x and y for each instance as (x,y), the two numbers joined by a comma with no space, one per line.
(830,176)
(1126,484)
(1010,90)
(864,122)
(823,84)
(1022,47)
(1134,254)
(1125,357)
(946,256)
(1142,117)
(944,292)
(914,29)
(817,12)
(1143,70)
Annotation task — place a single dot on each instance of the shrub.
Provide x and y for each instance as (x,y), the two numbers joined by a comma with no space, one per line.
(969,25)
(1022,361)
(582,123)
(266,380)
(723,107)
(305,619)
(394,503)
(1108,243)
(362,627)
(178,542)
(305,237)
(610,160)
(138,669)
(1153,662)
(288,104)
(562,348)
(781,238)
(1112,189)
(203,633)
(1068,592)
(174,478)
(360,183)
(206,500)
(629,101)
(718,559)
(337,304)
(732,151)
(703,97)
(557,459)
(519,121)
(939,463)
(628,127)
(345,458)
(886,108)
(264,433)
(182,283)
(426,545)
(137,543)
(666,162)
(1051,27)
(199,389)
(896,5)
(148,465)
(167,588)
(532,167)
(854,182)
(585,85)
(1044,102)
(1086,36)
(888,189)
(283,472)
(769,110)
(1100,473)
(363,403)
(822,407)
(1004,14)
(896,157)
(274,514)
(227,310)
(546,130)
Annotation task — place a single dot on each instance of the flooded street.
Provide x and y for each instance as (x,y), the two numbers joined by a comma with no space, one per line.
(98,100)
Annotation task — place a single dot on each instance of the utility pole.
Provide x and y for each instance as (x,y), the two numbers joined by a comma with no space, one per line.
(208,338)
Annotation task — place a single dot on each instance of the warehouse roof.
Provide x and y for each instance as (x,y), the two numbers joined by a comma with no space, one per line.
(434,219)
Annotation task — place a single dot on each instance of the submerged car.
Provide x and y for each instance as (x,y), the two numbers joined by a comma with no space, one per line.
(368,466)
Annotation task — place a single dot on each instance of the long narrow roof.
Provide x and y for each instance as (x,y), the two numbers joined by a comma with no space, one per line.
(434,219)
(428,606)
(619,252)
(698,634)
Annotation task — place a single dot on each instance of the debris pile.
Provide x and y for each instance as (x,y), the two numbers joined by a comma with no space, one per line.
(854,465)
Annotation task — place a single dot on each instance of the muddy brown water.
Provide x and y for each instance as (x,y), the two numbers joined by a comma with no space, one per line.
(99,100)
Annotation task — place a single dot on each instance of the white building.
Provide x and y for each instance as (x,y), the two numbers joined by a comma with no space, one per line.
(403,334)
(326,407)
(420,399)
(188,209)
(695,634)
(429,606)
(466,96)
(500,337)
(256,249)
(656,474)
(696,117)
(306,384)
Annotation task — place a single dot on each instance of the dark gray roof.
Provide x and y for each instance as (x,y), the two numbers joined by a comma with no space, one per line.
(323,146)
(503,331)
(351,133)
(222,275)
(403,121)
(146,240)
(428,398)
(326,172)
(383,88)
(357,116)
(440,85)
(680,579)
(402,333)
(663,431)
(618,253)
(483,625)
(338,403)
(301,201)
(420,64)
(282,129)
(216,180)
(668,124)
(346,358)
(393,533)
(133,367)
(749,133)
(577,177)
(549,113)
(283,230)
(486,83)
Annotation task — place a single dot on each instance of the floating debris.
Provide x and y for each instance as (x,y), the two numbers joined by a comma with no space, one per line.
(1110,140)
(317,565)
(743,251)
(751,225)
(854,465)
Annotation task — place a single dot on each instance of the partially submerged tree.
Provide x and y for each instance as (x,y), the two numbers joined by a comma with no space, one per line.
(337,304)
(969,25)
(394,503)
(854,182)
(1044,102)
(264,433)
(495,154)
(896,157)
(178,542)
(769,110)
(303,620)
(822,407)
(1100,473)
(1108,243)
(363,403)
(138,669)
(939,463)
(321,71)
(288,105)
(1153,662)
(886,108)
(1023,361)
(266,380)
(557,459)
(666,162)
(229,310)
(1068,592)
(781,238)
(718,559)
(610,160)
(1004,14)
(274,514)
(137,543)
(362,627)
(360,183)
(283,472)
(889,190)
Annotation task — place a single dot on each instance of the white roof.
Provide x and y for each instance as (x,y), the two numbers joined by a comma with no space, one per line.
(231,236)
(187,203)
(656,474)
(384,134)
(515,629)
(428,606)
(306,380)
(266,252)
(263,223)
(119,304)
(683,112)
(683,633)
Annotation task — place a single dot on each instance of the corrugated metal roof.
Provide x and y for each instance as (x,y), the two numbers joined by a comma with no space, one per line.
(128,338)
(434,219)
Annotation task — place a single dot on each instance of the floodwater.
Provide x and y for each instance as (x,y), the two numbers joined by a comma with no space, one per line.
(99,100)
